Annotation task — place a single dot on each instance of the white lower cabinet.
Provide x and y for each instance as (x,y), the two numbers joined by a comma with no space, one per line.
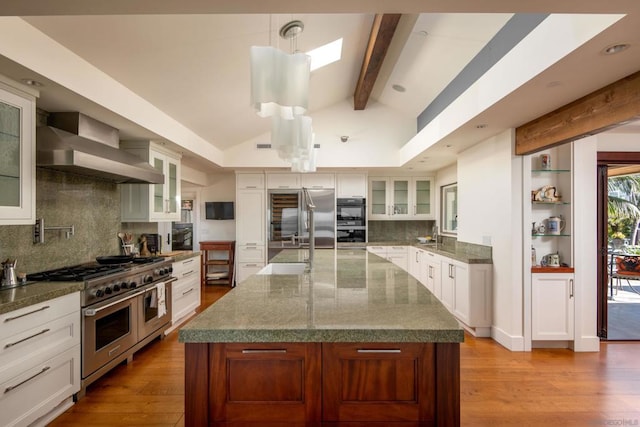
(552,306)
(433,280)
(246,269)
(39,361)
(396,254)
(185,291)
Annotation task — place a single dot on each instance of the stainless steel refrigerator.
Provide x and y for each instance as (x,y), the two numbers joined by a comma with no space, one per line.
(288,219)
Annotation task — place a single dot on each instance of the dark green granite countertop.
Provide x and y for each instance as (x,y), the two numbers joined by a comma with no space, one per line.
(460,251)
(351,296)
(35,293)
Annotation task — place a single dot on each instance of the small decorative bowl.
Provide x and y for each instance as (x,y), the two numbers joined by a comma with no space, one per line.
(422,239)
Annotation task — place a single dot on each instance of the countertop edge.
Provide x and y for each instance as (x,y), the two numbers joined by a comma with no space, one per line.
(38,295)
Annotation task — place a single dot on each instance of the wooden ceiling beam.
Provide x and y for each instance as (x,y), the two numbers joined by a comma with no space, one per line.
(603,109)
(382,31)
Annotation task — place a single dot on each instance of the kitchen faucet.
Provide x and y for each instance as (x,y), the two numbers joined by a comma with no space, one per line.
(310,225)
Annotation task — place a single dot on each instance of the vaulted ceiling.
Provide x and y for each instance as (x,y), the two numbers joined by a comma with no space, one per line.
(178,72)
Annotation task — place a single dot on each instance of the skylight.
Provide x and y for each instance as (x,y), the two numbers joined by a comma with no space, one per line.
(325,55)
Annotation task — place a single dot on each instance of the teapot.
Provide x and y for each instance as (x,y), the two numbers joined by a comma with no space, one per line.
(551,260)
(9,273)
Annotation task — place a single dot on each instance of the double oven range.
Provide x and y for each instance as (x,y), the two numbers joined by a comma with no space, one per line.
(125,305)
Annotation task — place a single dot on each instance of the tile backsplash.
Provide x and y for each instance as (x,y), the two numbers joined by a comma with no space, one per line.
(384,231)
(92,206)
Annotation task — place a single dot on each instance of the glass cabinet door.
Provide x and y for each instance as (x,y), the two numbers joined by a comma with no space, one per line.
(158,189)
(9,155)
(422,195)
(378,197)
(173,187)
(400,197)
(17,152)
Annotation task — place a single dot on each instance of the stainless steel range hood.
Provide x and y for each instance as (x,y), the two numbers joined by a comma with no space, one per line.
(73,142)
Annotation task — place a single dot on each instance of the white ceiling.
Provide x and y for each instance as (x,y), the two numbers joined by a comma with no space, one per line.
(195,67)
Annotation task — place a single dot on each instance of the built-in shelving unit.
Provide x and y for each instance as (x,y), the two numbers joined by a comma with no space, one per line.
(218,262)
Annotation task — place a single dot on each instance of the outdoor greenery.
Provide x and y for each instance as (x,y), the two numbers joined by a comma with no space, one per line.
(624,207)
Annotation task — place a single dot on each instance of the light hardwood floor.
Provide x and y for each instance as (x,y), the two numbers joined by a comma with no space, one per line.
(498,387)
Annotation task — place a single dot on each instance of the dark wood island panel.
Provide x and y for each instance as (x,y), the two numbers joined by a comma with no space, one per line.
(325,384)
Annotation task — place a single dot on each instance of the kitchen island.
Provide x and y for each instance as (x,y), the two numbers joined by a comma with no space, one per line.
(356,340)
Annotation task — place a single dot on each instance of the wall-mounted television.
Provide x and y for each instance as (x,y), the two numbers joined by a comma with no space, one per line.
(218,210)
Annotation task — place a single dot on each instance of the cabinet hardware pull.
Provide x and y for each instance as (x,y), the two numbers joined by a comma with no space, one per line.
(379,350)
(186,273)
(113,350)
(11,344)
(571,287)
(416,256)
(26,314)
(11,387)
(187,292)
(265,350)
(251,265)
(187,261)
(93,311)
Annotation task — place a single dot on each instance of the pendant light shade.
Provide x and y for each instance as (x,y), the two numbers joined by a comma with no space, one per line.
(279,82)
(294,141)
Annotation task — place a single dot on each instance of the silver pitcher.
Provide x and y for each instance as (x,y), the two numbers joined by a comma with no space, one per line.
(9,277)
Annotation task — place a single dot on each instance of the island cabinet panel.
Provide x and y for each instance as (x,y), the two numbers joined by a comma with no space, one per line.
(378,382)
(265,382)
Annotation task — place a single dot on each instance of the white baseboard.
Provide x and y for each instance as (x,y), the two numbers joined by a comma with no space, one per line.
(510,342)
(587,344)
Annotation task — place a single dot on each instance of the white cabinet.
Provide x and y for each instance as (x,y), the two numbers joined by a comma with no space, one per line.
(400,198)
(152,202)
(318,180)
(185,291)
(351,185)
(552,306)
(17,157)
(467,292)
(249,181)
(396,254)
(433,280)
(417,263)
(296,181)
(39,360)
(251,223)
(283,180)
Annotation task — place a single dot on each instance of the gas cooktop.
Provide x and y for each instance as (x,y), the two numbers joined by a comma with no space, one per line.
(88,271)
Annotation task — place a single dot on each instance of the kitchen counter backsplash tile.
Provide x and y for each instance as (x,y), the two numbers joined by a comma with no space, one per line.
(380,231)
(92,206)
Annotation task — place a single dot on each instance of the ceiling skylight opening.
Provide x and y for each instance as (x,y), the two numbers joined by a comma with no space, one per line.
(325,55)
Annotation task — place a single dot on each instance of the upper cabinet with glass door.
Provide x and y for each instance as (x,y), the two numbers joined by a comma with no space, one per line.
(398,198)
(17,160)
(152,202)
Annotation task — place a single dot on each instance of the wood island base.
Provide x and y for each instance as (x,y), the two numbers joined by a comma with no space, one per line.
(322,384)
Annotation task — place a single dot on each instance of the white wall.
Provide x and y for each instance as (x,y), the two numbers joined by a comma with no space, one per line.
(490,213)
(221,189)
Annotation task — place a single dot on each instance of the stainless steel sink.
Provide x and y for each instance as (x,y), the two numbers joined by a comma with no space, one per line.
(279,268)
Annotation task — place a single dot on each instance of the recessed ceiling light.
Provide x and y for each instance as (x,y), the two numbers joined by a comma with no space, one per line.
(481,126)
(554,83)
(422,33)
(398,88)
(615,48)
(31,82)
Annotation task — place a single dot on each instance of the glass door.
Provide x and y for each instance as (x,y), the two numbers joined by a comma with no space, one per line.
(422,197)
(378,199)
(400,197)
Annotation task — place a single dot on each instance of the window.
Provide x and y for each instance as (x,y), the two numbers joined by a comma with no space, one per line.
(449,207)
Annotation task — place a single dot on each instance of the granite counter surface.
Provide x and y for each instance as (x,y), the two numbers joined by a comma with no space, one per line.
(35,293)
(350,296)
(460,251)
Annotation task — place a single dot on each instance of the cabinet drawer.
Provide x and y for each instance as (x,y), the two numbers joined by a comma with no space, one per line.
(247,253)
(186,268)
(38,344)
(186,296)
(30,317)
(34,392)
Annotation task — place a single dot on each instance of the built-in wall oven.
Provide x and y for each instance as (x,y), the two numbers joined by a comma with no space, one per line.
(351,219)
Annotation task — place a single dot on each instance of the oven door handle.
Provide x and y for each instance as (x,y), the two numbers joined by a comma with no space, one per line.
(93,311)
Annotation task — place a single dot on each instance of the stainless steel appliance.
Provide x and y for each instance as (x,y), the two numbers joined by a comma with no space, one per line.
(126,303)
(182,236)
(288,219)
(351,216)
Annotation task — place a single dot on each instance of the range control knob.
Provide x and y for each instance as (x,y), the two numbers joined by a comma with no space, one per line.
(116,287)
(147,278)
(107,290)
(124,285)
(98,292)
(170,269)
(132,285)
